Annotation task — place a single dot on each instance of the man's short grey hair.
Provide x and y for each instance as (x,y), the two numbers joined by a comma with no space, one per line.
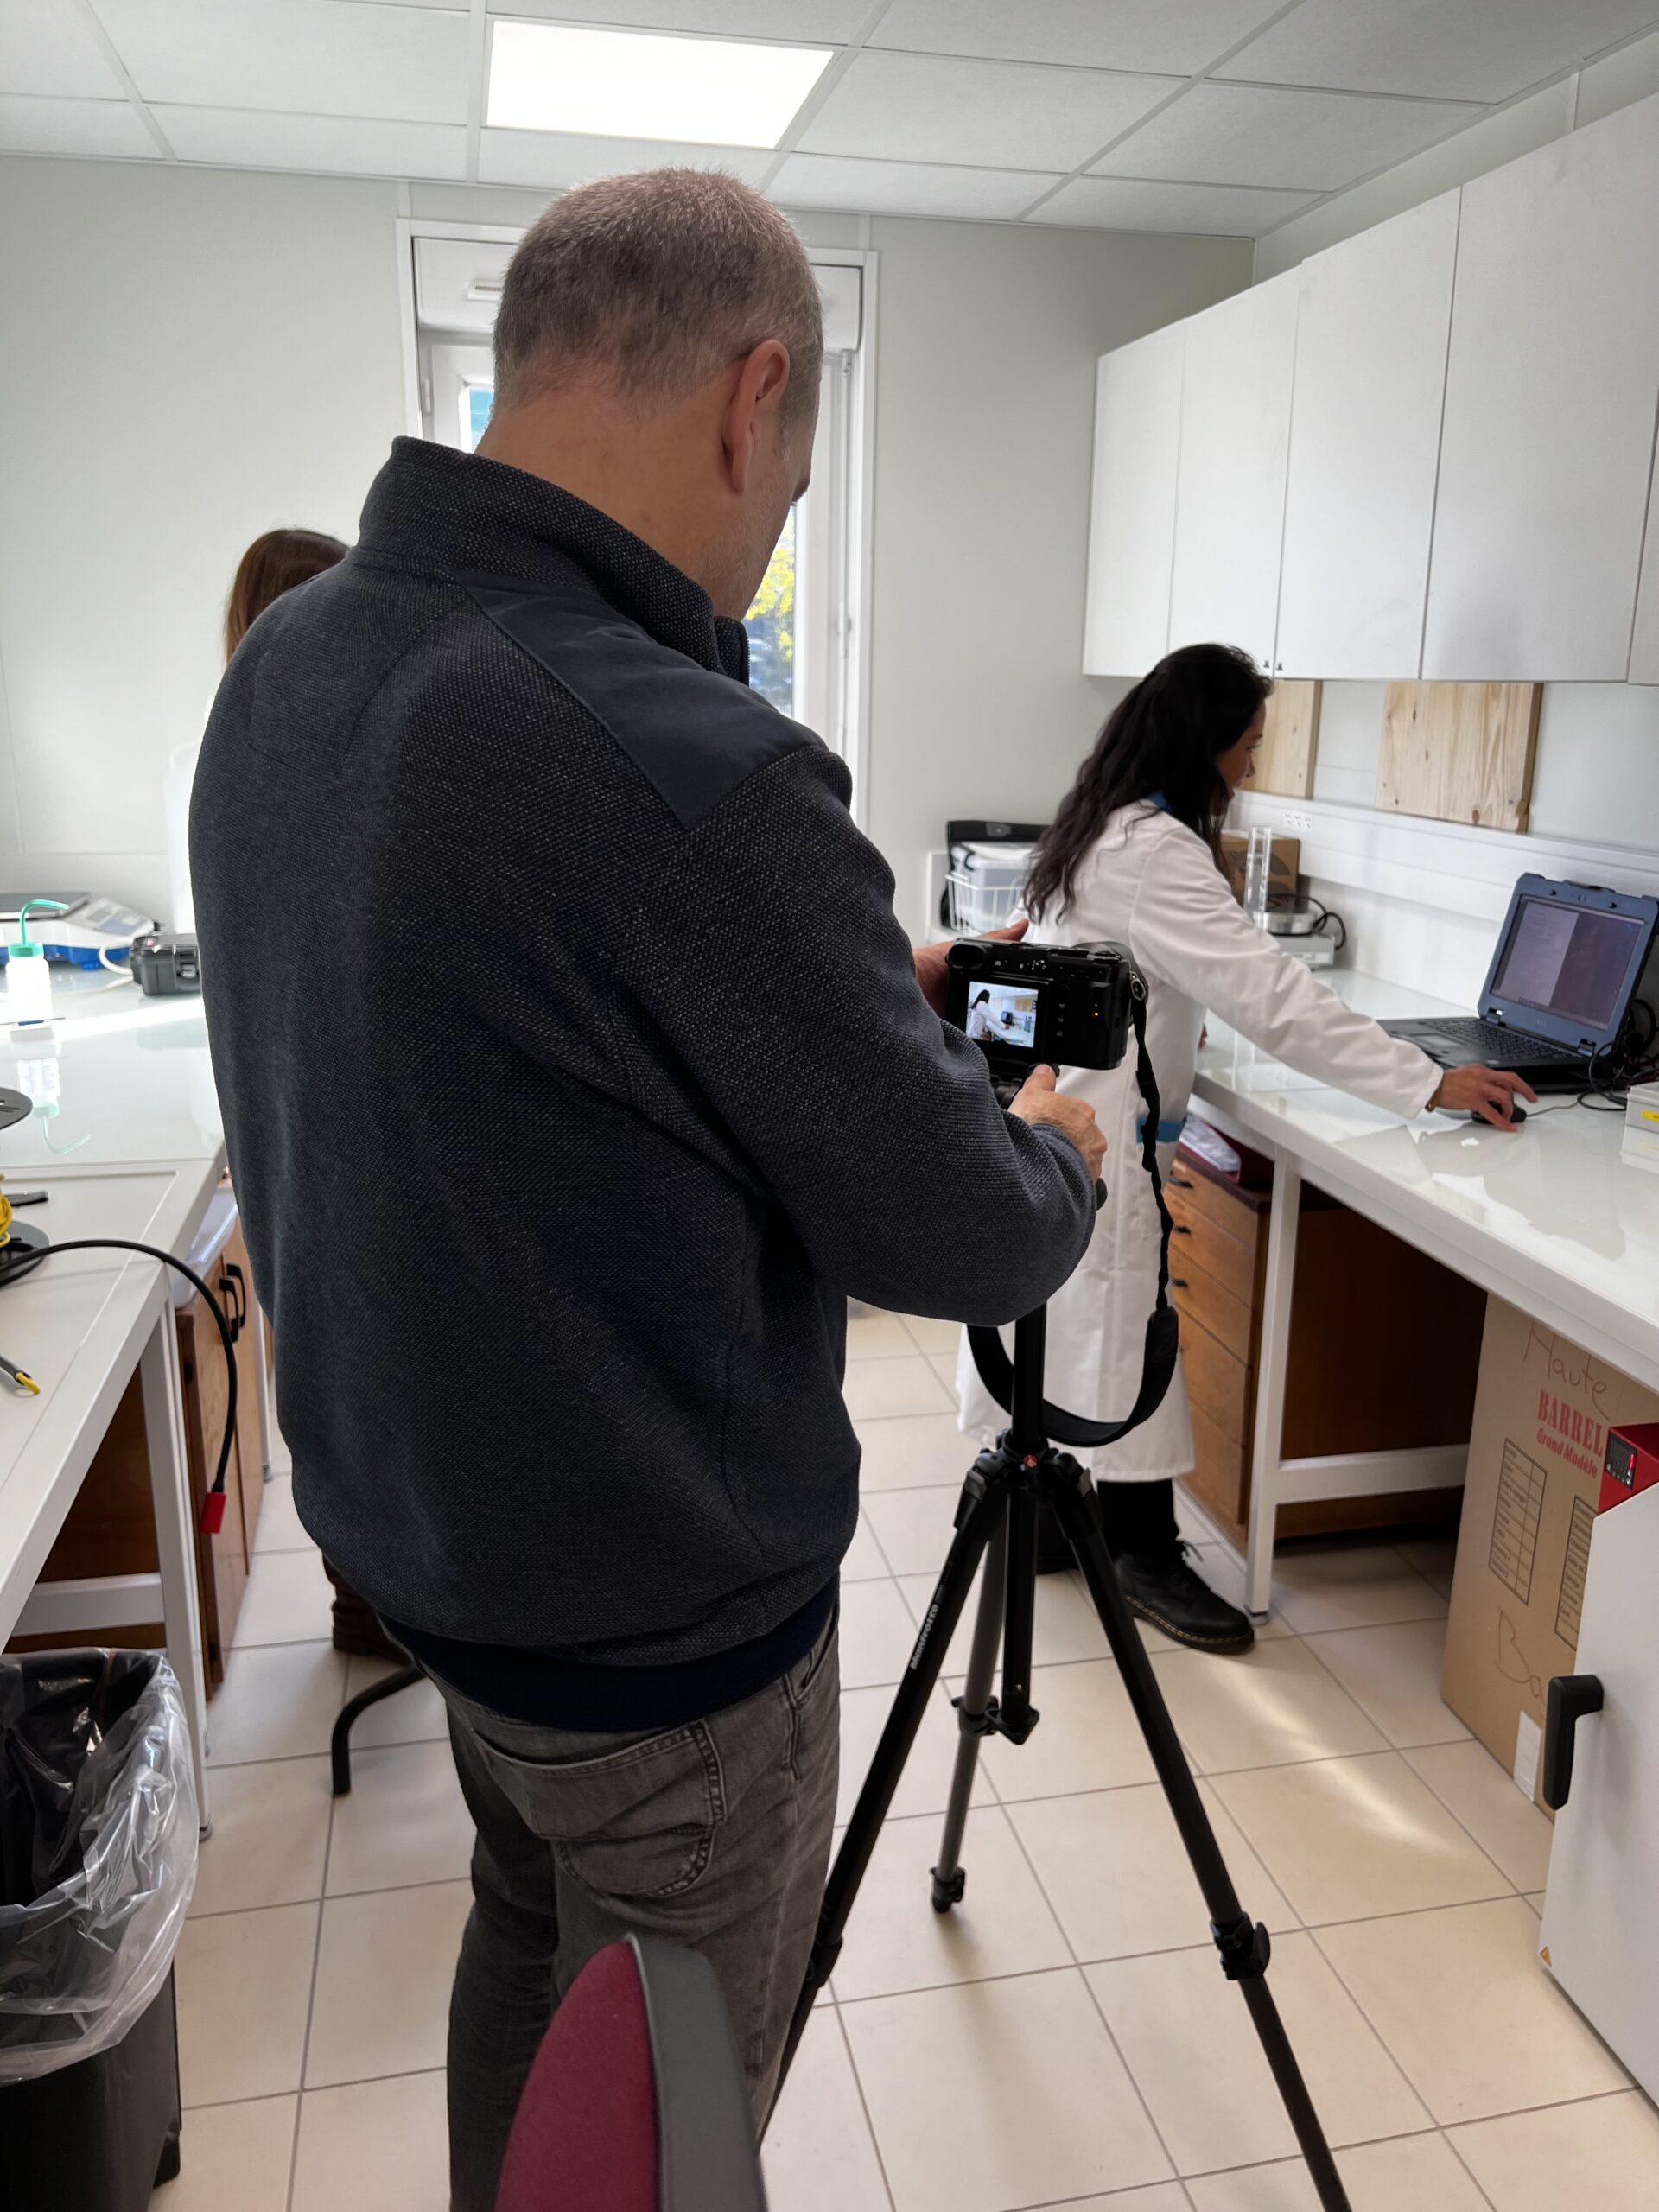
(657,282)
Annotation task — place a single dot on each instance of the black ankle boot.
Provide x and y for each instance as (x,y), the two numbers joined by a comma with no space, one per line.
(1163,1588)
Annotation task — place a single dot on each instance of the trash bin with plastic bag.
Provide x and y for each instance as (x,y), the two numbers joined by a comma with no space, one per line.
(97,1861)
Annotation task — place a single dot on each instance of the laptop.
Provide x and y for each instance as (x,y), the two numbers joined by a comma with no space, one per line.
(1568,960)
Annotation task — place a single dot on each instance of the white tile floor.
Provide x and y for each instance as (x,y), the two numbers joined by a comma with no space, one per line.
(1065,2038)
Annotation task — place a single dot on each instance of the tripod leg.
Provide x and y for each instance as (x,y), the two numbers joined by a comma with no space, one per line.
(1243,1948)
(983,1502)
(949,1877)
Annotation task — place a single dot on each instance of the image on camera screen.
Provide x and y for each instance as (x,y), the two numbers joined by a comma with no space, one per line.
(1003,1013)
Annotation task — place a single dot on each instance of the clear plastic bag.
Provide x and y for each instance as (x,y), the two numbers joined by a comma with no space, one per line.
(98,1849)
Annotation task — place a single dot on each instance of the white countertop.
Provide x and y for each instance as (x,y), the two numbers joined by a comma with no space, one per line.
(1549,1217)
(118,1079)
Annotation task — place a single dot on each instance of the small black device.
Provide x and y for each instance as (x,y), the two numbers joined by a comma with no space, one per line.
(166,962)
(1069,1006)
(1567,965)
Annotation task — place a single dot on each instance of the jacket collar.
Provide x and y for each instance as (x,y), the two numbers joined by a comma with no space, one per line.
(438,509)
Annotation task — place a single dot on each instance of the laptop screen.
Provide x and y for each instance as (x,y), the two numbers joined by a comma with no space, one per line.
(1569,962)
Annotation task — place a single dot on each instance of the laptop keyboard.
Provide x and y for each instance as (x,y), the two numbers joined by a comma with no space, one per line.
(1490,1040)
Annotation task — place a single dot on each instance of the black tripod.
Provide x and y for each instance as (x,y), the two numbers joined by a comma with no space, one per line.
(997,1517)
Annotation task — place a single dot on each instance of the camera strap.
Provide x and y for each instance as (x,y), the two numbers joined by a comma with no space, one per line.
(1163,1324)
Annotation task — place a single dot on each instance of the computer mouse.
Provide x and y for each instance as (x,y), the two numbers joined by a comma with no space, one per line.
(1517,1115)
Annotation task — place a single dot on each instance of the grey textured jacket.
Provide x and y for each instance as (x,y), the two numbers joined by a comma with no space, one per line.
(574,1072)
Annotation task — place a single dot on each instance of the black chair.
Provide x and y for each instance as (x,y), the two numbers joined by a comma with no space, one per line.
(340,1745)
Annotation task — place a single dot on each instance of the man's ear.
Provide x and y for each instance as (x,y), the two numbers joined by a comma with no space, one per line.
(751,411)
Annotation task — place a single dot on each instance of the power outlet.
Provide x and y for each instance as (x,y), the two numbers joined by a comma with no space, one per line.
(1296,820)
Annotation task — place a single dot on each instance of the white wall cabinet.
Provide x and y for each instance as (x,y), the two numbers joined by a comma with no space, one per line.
(1372,327)
(1644,642)
(1229,503)
(1132,514)
(1551,386)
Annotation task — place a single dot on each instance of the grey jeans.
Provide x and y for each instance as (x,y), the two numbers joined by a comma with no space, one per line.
(716,1835)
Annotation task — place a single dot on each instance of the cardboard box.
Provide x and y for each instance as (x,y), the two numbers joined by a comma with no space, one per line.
(1284,862)
(1542,1411)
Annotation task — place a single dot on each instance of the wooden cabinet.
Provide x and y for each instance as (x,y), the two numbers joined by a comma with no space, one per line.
(1384,1346)
(1132,511)
(1229,505)
(1372,327)
(111,1528)
(1548,432)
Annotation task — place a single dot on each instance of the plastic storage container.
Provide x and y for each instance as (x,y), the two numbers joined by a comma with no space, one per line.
(98,1862)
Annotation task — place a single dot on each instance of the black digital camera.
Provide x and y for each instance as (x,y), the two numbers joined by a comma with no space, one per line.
(1027,1005)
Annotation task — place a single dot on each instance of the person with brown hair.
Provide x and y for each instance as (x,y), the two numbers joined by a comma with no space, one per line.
(273,564)
(575,1073)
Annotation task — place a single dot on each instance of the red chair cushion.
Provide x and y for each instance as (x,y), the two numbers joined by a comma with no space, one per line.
(585,2137)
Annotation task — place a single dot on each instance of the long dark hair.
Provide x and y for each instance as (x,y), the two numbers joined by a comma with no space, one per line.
(1163,737)
(272,565)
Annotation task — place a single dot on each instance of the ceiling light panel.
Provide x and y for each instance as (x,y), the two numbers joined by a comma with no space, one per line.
(820,22)
(919,107)
(46,48)
(1088,34)
(307,57)
(561,78)
(1477,50)
(1249,134)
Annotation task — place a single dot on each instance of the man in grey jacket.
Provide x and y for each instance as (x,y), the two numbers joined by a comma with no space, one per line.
(576,1072)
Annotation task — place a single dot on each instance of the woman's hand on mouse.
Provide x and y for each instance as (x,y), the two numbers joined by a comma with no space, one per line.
(1488,1093)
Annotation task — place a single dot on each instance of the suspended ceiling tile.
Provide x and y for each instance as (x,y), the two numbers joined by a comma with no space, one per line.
(1108,203)
(320,57)
(560,159)
(1312,142)
(45,47)
(907,188)
(1456,50)
(91,128)
(823,22)
(933,108)
(338,146)
(1088,34)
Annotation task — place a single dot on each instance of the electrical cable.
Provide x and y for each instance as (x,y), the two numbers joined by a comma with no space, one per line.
(27,1259)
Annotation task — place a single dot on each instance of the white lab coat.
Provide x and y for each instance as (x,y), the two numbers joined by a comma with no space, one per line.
(1151,884)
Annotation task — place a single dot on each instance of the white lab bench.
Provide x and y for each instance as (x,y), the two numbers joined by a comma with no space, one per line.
(1549,1217)
(126,1137)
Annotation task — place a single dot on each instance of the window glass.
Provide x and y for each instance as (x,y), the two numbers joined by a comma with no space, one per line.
(771,625)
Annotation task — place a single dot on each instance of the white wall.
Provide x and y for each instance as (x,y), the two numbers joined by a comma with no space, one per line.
(1597,778)
(194,357)
(985,433)
(213,352)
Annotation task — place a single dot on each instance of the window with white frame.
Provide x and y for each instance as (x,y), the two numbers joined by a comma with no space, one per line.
(805,637)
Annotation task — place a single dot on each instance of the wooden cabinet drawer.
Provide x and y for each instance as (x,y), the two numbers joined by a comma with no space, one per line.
(1218,1382)
(1236,1213)
(1201,1296)
(1220,1479)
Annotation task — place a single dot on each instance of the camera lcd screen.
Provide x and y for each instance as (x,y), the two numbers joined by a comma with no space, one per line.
(1004,1015)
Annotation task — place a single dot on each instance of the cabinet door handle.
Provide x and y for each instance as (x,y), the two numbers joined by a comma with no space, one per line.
(231,1288)
(1178,1182)
(1571,1697)
(1182,1229)
(1178,1282)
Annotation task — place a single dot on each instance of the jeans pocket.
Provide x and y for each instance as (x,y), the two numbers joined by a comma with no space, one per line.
(639,1822)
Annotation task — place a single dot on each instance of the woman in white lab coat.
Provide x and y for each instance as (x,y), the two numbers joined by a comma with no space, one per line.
(1133,857)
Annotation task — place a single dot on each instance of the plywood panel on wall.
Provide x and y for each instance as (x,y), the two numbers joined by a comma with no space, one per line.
(1459,752)
(1290,740)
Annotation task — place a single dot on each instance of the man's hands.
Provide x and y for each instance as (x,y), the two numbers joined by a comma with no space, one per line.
(1488,1092)
(931,968)
(1037,1100)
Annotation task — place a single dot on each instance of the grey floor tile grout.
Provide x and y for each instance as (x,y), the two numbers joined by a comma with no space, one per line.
(864,2107)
